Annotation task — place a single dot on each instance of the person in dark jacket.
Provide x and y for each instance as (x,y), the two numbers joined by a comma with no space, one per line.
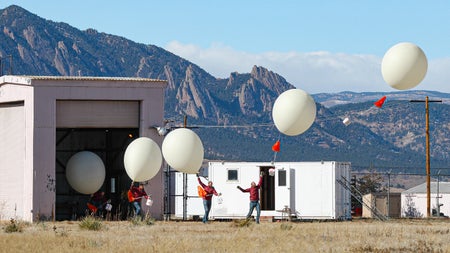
(254,197)
(207,199)
(99,201)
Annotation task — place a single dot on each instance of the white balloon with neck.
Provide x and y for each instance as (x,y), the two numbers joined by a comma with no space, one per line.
(85,172)
(294,111)
(142,159)
(183,150)
(404,66)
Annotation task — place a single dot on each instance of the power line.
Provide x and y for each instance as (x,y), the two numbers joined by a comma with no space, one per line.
(233,126)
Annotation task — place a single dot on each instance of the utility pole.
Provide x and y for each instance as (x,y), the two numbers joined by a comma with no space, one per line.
(438,204)
(427,142)
(10,72)
(185,197)
(389,195)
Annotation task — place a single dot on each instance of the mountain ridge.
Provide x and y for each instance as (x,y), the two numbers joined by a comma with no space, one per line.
(43,47)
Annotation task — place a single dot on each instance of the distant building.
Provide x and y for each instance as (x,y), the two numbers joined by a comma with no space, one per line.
(414,200)
(44,120)
(387,205)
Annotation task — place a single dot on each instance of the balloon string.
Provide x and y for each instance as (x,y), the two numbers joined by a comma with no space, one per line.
(274,157)
(371,109)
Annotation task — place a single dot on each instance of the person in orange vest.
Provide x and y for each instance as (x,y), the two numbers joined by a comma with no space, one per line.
(254,197)
(207,198)
(138,193)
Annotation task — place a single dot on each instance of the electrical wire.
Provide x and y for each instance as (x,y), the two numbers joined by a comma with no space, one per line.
(232,126)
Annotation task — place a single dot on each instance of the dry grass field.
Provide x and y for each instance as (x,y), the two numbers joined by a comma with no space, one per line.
(426,235)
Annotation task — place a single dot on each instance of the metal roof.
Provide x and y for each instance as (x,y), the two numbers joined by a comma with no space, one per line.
(27,79)
(444,187)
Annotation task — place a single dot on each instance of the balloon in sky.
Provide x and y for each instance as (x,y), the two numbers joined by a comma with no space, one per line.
(404,66)
(294,111)
(142,159)
(85,172)
(183,150)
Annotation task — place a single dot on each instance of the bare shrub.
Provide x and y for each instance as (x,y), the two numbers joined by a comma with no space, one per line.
(410,209)
(241,223)
(90,223)
(15,226)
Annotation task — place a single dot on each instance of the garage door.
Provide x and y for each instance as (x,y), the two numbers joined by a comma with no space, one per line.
(93,114)
(12,159)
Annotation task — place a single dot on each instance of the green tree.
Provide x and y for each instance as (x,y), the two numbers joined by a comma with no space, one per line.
(370,183)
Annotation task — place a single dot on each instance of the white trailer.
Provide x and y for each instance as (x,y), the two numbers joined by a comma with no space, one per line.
(187,202)
(305,190)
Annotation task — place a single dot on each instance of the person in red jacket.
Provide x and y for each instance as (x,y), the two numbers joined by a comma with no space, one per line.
(254,197)
(99,201)
(138,193)
(207,199)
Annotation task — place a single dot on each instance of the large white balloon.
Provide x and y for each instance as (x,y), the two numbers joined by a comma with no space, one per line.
(142,159)
(293,112)
(404,66)
(85,172)
(183,150)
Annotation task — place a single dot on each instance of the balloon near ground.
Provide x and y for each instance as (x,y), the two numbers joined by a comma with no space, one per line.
(85,172)
(183,150)
(404,66)
(142,159)
(294,111)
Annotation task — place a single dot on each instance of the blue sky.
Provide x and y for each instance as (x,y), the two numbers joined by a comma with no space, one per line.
(319,46)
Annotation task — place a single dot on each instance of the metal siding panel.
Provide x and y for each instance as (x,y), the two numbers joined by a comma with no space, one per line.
(12,157)
(194,204)
(102,114)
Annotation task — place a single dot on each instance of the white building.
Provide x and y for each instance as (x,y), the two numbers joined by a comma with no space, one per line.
(415,199)
(308,189)
(44,120)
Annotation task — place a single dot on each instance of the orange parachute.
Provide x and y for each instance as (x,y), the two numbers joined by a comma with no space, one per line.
(92,208)
(201,191)
(380,102)
(276,146)
(130,196)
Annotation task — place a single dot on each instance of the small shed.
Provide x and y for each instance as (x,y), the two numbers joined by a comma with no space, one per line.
(387,204)
(44,120)
(414,200)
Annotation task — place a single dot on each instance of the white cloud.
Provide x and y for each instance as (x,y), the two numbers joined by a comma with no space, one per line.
(314,72)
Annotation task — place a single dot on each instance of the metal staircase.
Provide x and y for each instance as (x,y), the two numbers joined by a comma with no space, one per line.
(359,197)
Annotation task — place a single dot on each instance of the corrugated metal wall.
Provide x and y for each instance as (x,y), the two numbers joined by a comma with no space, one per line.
(94,113)
(12,160)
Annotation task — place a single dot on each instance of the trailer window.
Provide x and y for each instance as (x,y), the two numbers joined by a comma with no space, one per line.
(281,178)
(232,175)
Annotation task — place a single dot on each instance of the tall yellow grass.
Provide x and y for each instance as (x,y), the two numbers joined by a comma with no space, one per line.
(425,235)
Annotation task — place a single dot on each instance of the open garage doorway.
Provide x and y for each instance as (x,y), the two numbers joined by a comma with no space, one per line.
(110,145)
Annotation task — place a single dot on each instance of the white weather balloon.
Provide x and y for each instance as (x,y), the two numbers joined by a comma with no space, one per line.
(85,172)
(142,159)
(183,150)
(404,66)
(293,112)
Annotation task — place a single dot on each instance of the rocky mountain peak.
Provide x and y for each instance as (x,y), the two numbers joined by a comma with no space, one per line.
(270,79)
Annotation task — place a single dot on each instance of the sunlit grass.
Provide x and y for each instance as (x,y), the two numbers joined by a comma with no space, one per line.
(90,223)
(123,236)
